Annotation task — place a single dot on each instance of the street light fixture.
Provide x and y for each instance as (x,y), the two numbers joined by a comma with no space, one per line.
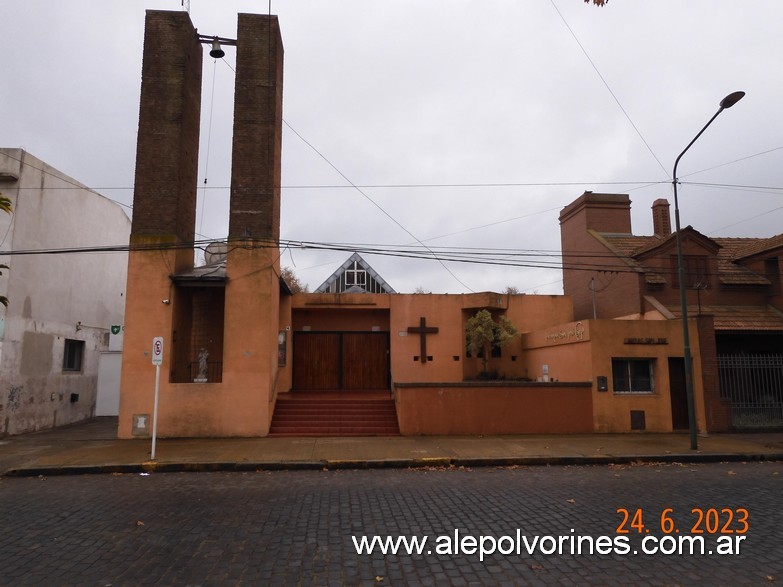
(727,102)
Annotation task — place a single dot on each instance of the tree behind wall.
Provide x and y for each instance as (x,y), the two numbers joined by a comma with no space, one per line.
(294,283)
(482,333)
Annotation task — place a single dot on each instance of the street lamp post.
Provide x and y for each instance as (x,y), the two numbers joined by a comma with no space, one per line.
(727,102)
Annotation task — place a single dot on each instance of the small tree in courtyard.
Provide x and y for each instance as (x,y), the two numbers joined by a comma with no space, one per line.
(482,333)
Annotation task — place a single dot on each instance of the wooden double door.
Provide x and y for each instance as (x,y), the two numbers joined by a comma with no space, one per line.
(341,360)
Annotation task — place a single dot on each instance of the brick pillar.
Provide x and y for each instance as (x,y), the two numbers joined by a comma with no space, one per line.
(164,207)
(258,120)
(164,200)
(717,412)
(250,367)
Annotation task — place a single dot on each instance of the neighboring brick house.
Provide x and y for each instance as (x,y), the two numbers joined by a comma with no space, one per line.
(734,294)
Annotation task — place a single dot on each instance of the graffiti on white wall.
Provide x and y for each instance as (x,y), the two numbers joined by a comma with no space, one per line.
(15,397)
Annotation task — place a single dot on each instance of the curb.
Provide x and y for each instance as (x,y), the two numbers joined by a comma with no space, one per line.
(416,463)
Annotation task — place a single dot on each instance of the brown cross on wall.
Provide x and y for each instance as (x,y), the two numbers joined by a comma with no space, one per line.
(423,330)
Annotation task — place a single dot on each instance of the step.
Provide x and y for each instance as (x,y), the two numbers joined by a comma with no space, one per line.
(333,414)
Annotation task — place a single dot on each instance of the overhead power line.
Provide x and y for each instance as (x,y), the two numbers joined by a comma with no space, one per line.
(78,186)
(376,204)
(732,186)
(426,186)
(537,259)
(609,89)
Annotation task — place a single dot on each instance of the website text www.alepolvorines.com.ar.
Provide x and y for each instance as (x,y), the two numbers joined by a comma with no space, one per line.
(458,544)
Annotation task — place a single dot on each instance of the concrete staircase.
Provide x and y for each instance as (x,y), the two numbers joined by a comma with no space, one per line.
(317,413)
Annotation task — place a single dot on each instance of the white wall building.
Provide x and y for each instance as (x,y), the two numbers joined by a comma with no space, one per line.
(62,305)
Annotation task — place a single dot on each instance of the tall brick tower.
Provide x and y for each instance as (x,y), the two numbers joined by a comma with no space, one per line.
(164,197)
(252,315)
(233,318)
(258,128)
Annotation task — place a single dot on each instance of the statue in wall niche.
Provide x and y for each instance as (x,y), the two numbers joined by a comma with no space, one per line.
(203,358)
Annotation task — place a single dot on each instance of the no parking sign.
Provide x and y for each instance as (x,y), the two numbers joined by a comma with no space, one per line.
(157,350)
(157,360)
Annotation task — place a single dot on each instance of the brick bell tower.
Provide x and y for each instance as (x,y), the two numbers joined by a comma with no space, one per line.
(240,313)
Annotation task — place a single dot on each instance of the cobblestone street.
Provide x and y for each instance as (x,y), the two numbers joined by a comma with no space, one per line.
(296,527)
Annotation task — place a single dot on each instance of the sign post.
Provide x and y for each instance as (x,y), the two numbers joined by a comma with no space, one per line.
(157,360)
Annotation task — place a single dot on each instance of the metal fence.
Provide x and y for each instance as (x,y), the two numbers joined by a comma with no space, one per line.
(754,386)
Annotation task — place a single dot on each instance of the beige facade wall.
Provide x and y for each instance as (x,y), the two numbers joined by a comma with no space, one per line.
(242,403)
(583,351)
(447,359)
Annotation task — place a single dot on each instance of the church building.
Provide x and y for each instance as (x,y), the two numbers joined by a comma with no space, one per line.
(243,356)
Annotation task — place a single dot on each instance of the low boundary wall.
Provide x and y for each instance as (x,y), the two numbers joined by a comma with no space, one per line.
(494,407)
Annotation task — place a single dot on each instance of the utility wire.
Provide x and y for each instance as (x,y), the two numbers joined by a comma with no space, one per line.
(432,238)
(374,203)
(746,219)
(735,161)
(209,144)
(210,239)
(606,84)
(640,184)
(731,185)
(605,263)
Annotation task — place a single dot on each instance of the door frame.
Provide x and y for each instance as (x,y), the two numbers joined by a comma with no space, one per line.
(341,359)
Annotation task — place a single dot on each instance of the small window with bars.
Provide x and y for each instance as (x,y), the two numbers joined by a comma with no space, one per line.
(633,375)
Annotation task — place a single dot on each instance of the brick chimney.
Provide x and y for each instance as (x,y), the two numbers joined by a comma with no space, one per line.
(662,224)
(600,212)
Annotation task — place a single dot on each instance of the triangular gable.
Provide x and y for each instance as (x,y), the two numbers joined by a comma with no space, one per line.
(688,234)
(355,276)
(636,250)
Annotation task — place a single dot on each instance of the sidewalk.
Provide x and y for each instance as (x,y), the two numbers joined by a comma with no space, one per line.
(93,447)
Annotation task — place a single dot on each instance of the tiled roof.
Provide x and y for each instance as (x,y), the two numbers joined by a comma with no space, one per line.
(629,245)
(732,273)
(759,245)
(214,272)
(755,318)
(729,272)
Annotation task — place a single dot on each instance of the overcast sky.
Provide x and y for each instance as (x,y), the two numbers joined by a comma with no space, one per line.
(549,98)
